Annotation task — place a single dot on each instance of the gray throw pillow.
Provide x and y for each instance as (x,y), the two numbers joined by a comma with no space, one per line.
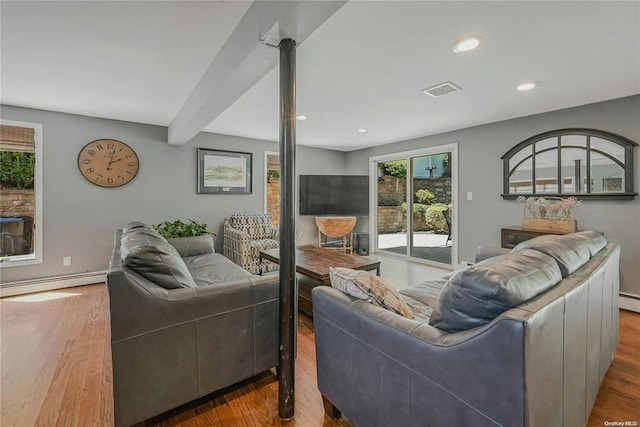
(192,246)
(571,252)
(595,241)
(478,294)
(134,224)
(146,252)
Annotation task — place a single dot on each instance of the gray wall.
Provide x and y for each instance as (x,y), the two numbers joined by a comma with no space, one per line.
(79,218)
(480,171)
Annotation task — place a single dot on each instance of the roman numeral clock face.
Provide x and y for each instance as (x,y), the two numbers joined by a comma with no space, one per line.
(108,163)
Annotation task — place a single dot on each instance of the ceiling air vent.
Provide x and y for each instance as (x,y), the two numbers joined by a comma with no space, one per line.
(441,89)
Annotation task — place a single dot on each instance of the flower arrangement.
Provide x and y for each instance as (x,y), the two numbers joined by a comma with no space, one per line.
(566,206)
(539,207)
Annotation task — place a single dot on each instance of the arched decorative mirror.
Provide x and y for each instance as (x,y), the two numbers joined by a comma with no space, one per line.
(586,163)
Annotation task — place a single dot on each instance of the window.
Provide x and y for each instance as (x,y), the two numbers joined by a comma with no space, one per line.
(585,163)
(21,191)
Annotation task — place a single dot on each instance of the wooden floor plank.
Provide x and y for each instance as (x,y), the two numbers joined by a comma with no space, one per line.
(55,365)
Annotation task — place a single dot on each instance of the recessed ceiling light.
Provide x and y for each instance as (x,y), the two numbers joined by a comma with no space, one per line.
(363,130)
(466,44)
(301,117)
(527,86)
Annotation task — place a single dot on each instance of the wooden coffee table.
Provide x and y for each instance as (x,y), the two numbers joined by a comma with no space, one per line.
(312,266)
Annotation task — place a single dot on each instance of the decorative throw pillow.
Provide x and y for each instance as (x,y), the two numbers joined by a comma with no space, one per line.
(192,246)
(369,287)
(478,294)
(570,251)
(595,241)
(146,252)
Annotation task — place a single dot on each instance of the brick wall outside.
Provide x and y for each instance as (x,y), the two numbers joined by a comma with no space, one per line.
(391,219)
(273,201)
(14,202)
(392,190)
(440,187)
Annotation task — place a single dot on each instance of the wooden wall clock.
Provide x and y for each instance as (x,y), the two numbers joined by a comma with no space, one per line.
(108,163)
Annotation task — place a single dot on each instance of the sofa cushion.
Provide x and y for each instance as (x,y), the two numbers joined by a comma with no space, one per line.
(595,241)
(570,252)
(264,244)
(191,246)
(209,269)
(369,287)
(422,298)
(146,252)
(476,295)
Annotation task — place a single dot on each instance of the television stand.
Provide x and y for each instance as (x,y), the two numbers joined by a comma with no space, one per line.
(336,227)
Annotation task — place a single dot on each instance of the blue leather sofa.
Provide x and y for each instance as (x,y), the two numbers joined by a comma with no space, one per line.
(539,363)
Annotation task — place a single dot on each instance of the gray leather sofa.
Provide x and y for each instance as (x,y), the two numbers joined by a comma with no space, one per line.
(539,363)
(210,324)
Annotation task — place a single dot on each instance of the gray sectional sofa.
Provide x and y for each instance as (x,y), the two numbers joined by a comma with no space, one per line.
(185,322)
(538,363)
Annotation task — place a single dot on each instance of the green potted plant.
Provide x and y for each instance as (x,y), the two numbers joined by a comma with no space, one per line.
(179,228)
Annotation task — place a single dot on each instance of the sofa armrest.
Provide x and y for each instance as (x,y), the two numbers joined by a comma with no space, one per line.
(235,234)
(486,252)
(236,246)
(191,246)
(275,232)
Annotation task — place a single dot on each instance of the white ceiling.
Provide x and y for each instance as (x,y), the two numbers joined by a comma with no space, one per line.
(365,67)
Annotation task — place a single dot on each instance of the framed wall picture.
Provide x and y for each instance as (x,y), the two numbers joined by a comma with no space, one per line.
(223,172)
(612,185)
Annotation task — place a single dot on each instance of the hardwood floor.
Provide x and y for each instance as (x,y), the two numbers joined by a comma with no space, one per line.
(619,397)
(56,358)
(55,364)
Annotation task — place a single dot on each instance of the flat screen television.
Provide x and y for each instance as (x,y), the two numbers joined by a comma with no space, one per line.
(334,195)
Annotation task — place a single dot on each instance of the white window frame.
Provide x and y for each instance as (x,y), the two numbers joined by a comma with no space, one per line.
(36,257)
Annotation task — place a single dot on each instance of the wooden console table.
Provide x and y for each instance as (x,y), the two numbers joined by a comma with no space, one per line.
(514,234)
(312,266)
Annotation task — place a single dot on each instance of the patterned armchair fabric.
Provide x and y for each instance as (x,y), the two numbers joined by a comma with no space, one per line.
(245,236)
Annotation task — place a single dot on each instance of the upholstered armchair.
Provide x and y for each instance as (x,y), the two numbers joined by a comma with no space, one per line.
(245,236)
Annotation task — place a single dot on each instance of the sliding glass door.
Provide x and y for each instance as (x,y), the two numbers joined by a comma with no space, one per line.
(414,204)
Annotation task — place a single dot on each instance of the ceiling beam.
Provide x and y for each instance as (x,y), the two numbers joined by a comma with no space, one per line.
(245,58)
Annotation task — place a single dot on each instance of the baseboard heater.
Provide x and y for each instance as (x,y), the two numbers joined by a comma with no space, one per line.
(51,283)
(630,302)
